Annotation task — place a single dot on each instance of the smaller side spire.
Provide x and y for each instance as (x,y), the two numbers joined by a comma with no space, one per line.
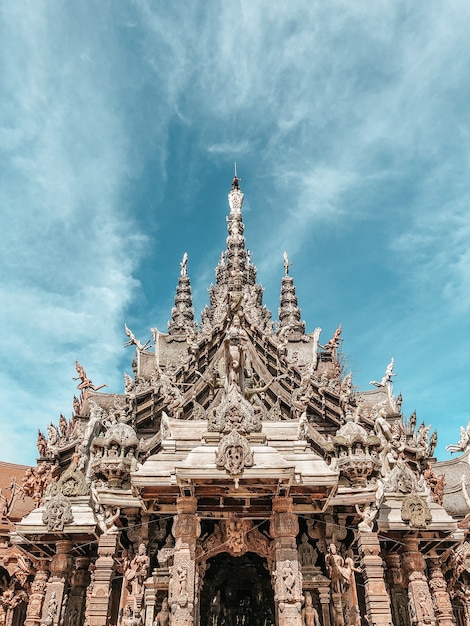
(289,323)
(182,323)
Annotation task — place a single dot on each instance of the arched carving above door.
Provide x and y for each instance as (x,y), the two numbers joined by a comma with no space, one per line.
(237,537)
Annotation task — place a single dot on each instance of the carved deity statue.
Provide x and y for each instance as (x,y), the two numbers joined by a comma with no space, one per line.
(85,383)
(179,585)
(307,553)
(288,578)
(51,609)
(137,571)
(214,610)
(368,514)
(184,265)
(338,570)
(163,616)
(309,612)
(286,263)
(41,444)
(234,355)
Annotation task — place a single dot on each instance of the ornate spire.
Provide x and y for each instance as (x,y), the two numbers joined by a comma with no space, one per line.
(235,287)
(239,271)
(182,322)
(289,312)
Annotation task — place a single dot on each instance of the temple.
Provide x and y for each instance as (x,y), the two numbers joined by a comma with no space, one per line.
(239,479)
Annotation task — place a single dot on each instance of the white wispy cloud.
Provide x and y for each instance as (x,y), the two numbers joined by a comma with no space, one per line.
(348,120)
(70,248)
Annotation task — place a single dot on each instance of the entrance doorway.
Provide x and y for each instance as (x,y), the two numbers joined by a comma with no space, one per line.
(237,591)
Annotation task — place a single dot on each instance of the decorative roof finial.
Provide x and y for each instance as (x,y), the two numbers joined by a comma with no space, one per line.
(286,264)
(184,265)
(235,180)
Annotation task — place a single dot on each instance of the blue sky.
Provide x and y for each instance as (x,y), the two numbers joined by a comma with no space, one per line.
(119,126)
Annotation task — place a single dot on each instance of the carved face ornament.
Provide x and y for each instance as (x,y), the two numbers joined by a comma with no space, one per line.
(415,511)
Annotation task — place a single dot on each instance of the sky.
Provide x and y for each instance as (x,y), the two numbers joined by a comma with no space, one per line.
(120,123)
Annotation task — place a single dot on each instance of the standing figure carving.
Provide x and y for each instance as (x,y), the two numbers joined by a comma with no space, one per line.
(339,572)
(85,383)
(234,356)
(368,514)
(307,553)
(309,612)
(163,616)
(182,581)
(288,578)
(137,571)
(214,610)
(51,610)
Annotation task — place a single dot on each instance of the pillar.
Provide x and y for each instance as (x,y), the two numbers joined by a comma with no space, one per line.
(61,569)
(419,595)
(38,592)
(149,601)
(79,583)
(100,593)
(284,528)
(376,596)
(324,593)
(440,596)
(183,580)
(397,589)
(464,596)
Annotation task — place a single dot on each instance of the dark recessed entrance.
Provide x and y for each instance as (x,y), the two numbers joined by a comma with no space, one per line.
(237,591)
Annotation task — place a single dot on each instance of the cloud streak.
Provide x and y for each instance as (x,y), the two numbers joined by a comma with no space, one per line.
(350,126)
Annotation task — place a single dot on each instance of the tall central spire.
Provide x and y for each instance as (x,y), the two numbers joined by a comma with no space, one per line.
(240,271)
(235,269)
(235,287)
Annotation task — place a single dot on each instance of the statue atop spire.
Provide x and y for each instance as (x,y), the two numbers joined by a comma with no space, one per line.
(286,264)
(235,197)
(235,181)
(184,265)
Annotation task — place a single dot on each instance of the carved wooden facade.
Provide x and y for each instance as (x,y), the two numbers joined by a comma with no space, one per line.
(239,480)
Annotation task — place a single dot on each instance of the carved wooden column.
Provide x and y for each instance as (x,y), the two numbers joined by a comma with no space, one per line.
(284,528)
(464,596)
(98,601)
(376,596)
(421,607)
(38,592)
(79,582)
(61,568)
(324,593)
(186,529)
(150,598)
(440,596)
(397,587)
